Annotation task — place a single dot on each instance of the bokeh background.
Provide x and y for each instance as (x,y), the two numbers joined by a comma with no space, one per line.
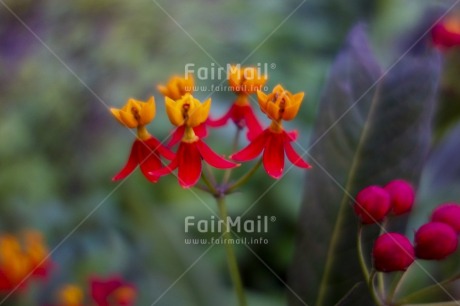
(63,63)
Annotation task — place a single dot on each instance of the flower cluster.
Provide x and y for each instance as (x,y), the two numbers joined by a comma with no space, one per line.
(113,291)
(374,203)
(241,112)
(190,117)
(392,251)
(434,240)
(438,239)
(274,141)
(22,257)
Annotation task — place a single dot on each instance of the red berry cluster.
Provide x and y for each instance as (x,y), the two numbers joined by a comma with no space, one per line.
(374,203)
(434,240)
(438,238)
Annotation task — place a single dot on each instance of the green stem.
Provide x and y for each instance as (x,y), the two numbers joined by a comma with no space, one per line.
(211,187)
(368,276)
(203,188)
(362,260)
(244,178)
(209,174)
(231,258)
(228,172)
(370,283)
(380,276)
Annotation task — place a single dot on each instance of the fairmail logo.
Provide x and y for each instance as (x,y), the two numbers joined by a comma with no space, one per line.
(239,225)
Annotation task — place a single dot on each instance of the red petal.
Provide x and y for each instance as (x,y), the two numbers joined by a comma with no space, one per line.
(149,161)
(237,114)
(212,157)
(291,136)
(176,136)
(165,170)
(201,130)
(221,121)
(5,284)
(156,145)
(101,289)
(253,149)
(42,269)
(131,164)
(274,155)
(189,164)
(294,157)
(252,123)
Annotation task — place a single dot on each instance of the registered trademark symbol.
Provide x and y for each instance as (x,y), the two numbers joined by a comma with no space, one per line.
(273,66)
(272,218)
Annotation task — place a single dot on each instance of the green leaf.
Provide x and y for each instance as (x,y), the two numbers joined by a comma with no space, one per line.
(372,127)
(443,168)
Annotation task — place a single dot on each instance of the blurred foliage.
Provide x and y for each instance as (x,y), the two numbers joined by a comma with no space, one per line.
(62,63)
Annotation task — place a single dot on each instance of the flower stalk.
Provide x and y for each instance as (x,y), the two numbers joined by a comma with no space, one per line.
(230,252)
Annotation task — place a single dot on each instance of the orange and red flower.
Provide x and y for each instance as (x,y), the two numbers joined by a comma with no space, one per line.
(146,151)
(274,141)
(113,291)
(189,113)
(21,258)
(446,34)
(242,81)
(176,88)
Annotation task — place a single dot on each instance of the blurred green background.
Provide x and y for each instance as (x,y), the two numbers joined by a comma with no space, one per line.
(63,63)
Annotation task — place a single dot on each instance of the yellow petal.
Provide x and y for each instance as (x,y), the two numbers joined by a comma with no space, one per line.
(291,111)
(273,111)
(263,78)
(298,97)
(293,105)
(128,119)
(189,83)
(174,113)
(163,90)
(263,100)
(234,77)
(198,112)
(205,108)
(116,113)
(278,88)
(131,105)
(147,111)
(174,92)
(233,82)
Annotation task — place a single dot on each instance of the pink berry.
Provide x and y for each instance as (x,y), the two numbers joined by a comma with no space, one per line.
(392,252)
(449,214)
(372,204)
(435,240)
(402,196)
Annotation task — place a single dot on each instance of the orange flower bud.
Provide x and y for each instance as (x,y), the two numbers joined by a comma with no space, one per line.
(135,113)
(246,80)
(177,87)
(187,111)
(280,104)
